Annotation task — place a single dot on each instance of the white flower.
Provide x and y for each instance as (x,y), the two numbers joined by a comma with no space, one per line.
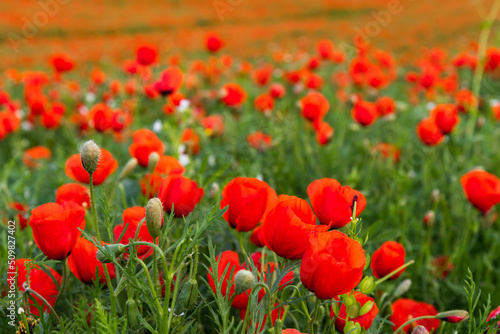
(183,105)
(259,177)
(157,126)
(20,310)
(211,160)
(184,159)
(430,105)
(90,97)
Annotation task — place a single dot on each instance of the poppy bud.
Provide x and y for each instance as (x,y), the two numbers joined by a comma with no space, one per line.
(321,313)
(367,285)
(352,328)
(402,288)
(114,250)
(128,168)
(90,154)
(453,316)
(154,216)
(429,218)
(420,330)
(132,314)
(243,280)
(435,195)
(189,295)
(153,159)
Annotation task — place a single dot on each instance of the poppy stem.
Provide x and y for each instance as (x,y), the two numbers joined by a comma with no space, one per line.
(314,316)
(27,289)
(94,210)
(240,240)
(394,272)
(400,328)
(64,279)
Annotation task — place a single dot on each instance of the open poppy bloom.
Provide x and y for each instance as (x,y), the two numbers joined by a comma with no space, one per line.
(389,257)
(385,106)
(84,265)
(365,320)
(106,166)
(287,226)
(40,282)
(102,117)
(429,133)
(213,124)
(495,314)
(333,203)
(248,200)
(132,217)
(406,309)
(146,54)
(233,95)
(332,265)
(9,123)
(364,113)
(264,103)
(73,192)
(482,189)
(191,140)
(213,42)
(145,143)
(181,192)
(259,140)
(446,117)
(324,132)
(170,81)
(314,106)
(150,183)
(61,63)
(33,157)
(55,228)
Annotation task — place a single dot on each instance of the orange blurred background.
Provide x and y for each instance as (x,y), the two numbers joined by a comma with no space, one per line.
(100,30)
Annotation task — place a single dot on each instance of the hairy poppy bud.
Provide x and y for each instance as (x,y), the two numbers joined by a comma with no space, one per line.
(420,330)
(188,296)
(90,154)
(128,168)
(154,216)
(453,316)
(429,218)
(436,194)
(114,250)
(133,314)
(402,288)
(243,280)
(367,285)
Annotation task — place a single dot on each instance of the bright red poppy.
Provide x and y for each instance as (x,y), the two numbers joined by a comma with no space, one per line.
(364,113)
(407,309)
(191,140)
(181,192)
(429,133)
(73,192)
(389,257)
(84,265)
(106,166)
(482,189)
(170,81)
(213,42)
(145,143)
(446,117)
(132,217)
(233,95)
(33,157)
(146,54)
(314,106)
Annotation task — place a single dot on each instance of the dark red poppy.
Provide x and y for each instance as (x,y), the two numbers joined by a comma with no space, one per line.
(40,282)
(332,264)
(389,257)
(482,189)
(407,309)
(429,133)
(106,166)
(365,320)
(170,81)
(333,203)
(248,200)
(73,192)
(446,117)
(314,106)
(84,265)
(145,143)
(233,95)
(55,228)
(213,42)
(33,157)
(288,225)
(146,54)
(180,191)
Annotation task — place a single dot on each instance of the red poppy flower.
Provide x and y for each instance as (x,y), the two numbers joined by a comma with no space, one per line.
(406,309)
(495,314)
(325,48)
(40,282)
(324,132)
(264,103)
(133,216)
(262,75)
(170,81)
(73,192)
(364,113)
(313,81)
(291,331)
(180,191)
(389,257)
(33,157)
(61,63)
(365,320)
(106,166)
(446,117)
(277,91)
(482,189)
(385,106)
(333,204)
(150,183)
(257,237)
(192,141)
(214,125)
(213,42)
(145,143)
(275,313)
(102,116)
(21,213)
(233,95)
(84,265)
(259,140)
(229,260)
(288,225)
(465,100)
(248,200)
(314,106)
(146,54)
(429,133)
(9,122)
(332,264)
(55,228)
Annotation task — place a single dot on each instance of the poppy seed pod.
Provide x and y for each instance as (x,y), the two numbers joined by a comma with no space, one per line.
(243,280)
(154,216)
(114,250)
(90,154)
(133,314)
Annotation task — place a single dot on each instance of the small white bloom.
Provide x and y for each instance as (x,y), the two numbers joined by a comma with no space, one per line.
(211,160)
(494,102)
(26,126)
(183,105)
(181,149)
(184,159)
(90,97)
(430,105)
(259,177)
(20,310)
(157,126)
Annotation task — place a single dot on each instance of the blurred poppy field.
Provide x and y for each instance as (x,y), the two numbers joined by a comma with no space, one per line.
(236,166)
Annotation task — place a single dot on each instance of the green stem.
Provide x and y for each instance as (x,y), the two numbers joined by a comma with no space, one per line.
(29,290)
(400,329)
(394,272)
(94,210)
(152,287)
(314,316)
